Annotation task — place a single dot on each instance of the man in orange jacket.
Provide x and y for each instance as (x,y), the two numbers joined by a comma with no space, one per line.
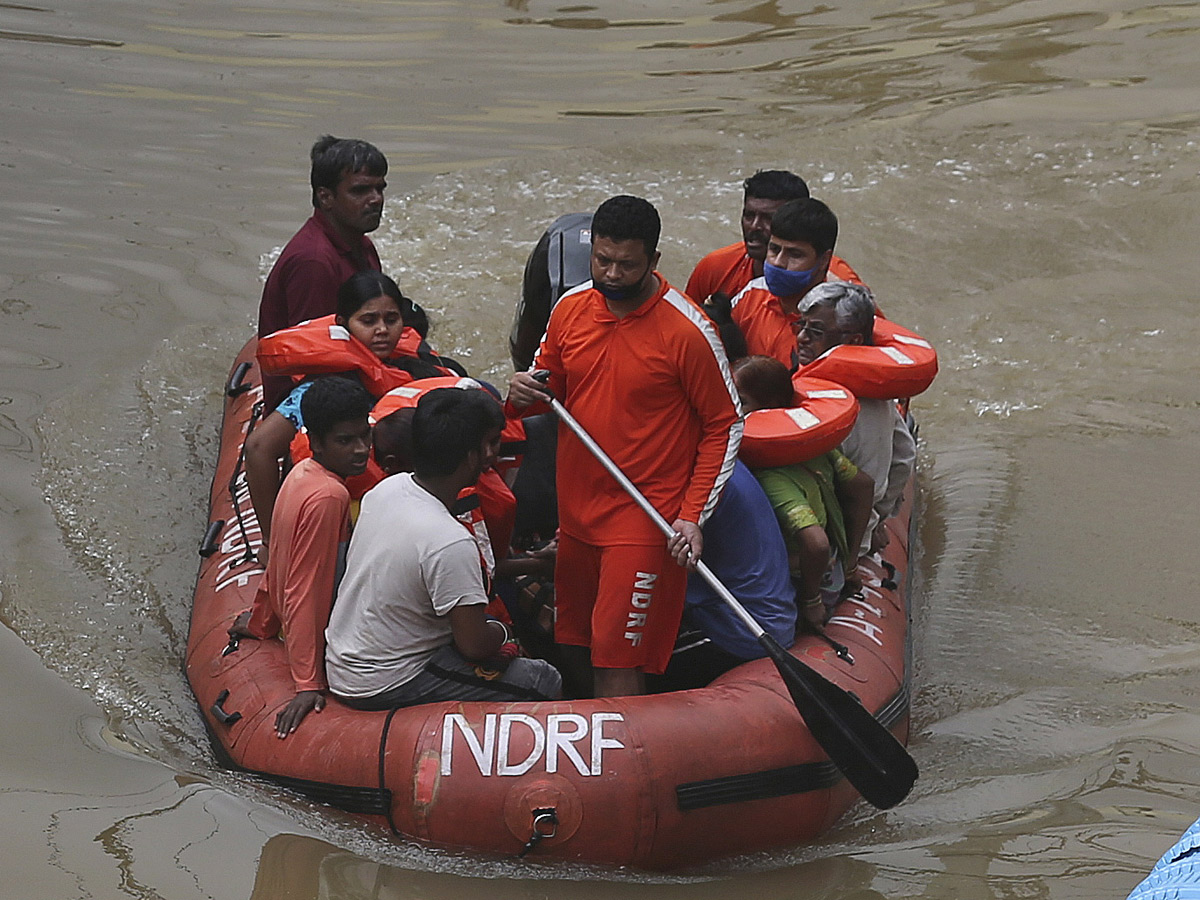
(731,268)
(799,257)
(645,374)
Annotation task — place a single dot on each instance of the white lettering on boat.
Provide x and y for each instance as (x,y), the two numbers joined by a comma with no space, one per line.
(868,629)
(861,615)
(233,546)
(861,602)
(555,740)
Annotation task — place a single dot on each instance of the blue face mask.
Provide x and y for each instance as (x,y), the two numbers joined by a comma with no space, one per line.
(785,283)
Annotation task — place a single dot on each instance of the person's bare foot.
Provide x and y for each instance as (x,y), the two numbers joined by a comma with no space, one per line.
(880,538)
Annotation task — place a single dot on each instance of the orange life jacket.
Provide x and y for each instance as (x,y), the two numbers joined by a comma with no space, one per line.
(410,393)
(821,416)
(322,347)
(512,438)
(899,363)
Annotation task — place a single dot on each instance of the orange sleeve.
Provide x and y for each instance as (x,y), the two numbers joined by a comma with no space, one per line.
(700,284)
(719,271)
(705,376)
(263,622)
(309,584)
(841,269)
(548,359)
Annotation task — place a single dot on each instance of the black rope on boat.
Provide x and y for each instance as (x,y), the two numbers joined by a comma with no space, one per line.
(249,556)
(387,725)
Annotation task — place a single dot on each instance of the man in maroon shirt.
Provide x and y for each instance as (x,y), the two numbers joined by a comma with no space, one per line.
(347,192)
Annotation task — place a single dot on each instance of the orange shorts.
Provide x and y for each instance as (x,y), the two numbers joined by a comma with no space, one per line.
(623,602)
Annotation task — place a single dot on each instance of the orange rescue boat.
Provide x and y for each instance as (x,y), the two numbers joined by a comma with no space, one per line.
(656,782)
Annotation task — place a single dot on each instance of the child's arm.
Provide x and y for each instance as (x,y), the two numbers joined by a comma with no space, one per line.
(266,445)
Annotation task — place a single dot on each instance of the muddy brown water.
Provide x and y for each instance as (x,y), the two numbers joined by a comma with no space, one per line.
(1017,181)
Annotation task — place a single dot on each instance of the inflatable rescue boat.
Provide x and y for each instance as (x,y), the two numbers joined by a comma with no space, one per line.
(656,782)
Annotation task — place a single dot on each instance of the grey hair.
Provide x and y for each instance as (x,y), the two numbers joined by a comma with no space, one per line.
(852,304)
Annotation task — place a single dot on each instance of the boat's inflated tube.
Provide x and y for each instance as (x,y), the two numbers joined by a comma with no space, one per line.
(821,416)
(898,364)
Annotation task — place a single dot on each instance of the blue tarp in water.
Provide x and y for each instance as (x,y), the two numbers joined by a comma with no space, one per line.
(1177,875)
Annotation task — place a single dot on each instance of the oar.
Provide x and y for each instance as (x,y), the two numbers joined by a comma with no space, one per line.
(866,753)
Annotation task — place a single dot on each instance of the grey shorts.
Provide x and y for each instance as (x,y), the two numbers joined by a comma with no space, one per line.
(450,676)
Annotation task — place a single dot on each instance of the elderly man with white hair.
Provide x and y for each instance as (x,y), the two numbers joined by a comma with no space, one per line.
(835,313)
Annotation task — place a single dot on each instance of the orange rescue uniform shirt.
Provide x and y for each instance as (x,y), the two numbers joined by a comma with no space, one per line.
(730,269)
(654,390)
(769,330)
(309,525)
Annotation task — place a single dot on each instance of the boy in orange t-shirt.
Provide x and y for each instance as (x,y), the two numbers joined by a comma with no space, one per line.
(310,527)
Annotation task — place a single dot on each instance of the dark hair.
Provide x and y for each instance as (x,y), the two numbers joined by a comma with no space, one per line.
(392,437)
(775,184)
(852,304)
(333,158)
(808,220)
(449,424)
(626,218)
(364,286)
(765,380)
(719,308)
(331,400)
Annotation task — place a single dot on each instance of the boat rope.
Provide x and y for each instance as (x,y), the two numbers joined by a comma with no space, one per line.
(387,726)
(249,556)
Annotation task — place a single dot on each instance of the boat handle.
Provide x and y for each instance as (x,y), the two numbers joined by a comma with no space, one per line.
(225,718)
(545,825)
(890,581)
(208,544)
(237,381)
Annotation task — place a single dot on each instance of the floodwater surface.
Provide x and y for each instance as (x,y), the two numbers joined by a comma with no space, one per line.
(1017,181)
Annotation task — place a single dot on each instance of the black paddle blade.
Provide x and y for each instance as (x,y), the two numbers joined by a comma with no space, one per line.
(857,743)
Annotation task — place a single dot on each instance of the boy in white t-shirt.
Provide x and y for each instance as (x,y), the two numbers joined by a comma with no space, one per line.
(409,625)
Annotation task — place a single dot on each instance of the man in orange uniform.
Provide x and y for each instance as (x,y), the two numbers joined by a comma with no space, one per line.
(645,374)
(309,531)
(731,268)
(799,253)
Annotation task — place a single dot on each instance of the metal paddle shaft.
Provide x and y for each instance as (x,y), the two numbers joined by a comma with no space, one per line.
(655,516)
(857,743)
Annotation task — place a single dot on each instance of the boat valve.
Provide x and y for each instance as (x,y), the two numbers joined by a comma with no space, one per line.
(545,825)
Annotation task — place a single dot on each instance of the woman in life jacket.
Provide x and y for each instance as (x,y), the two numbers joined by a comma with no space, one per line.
(372,309)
